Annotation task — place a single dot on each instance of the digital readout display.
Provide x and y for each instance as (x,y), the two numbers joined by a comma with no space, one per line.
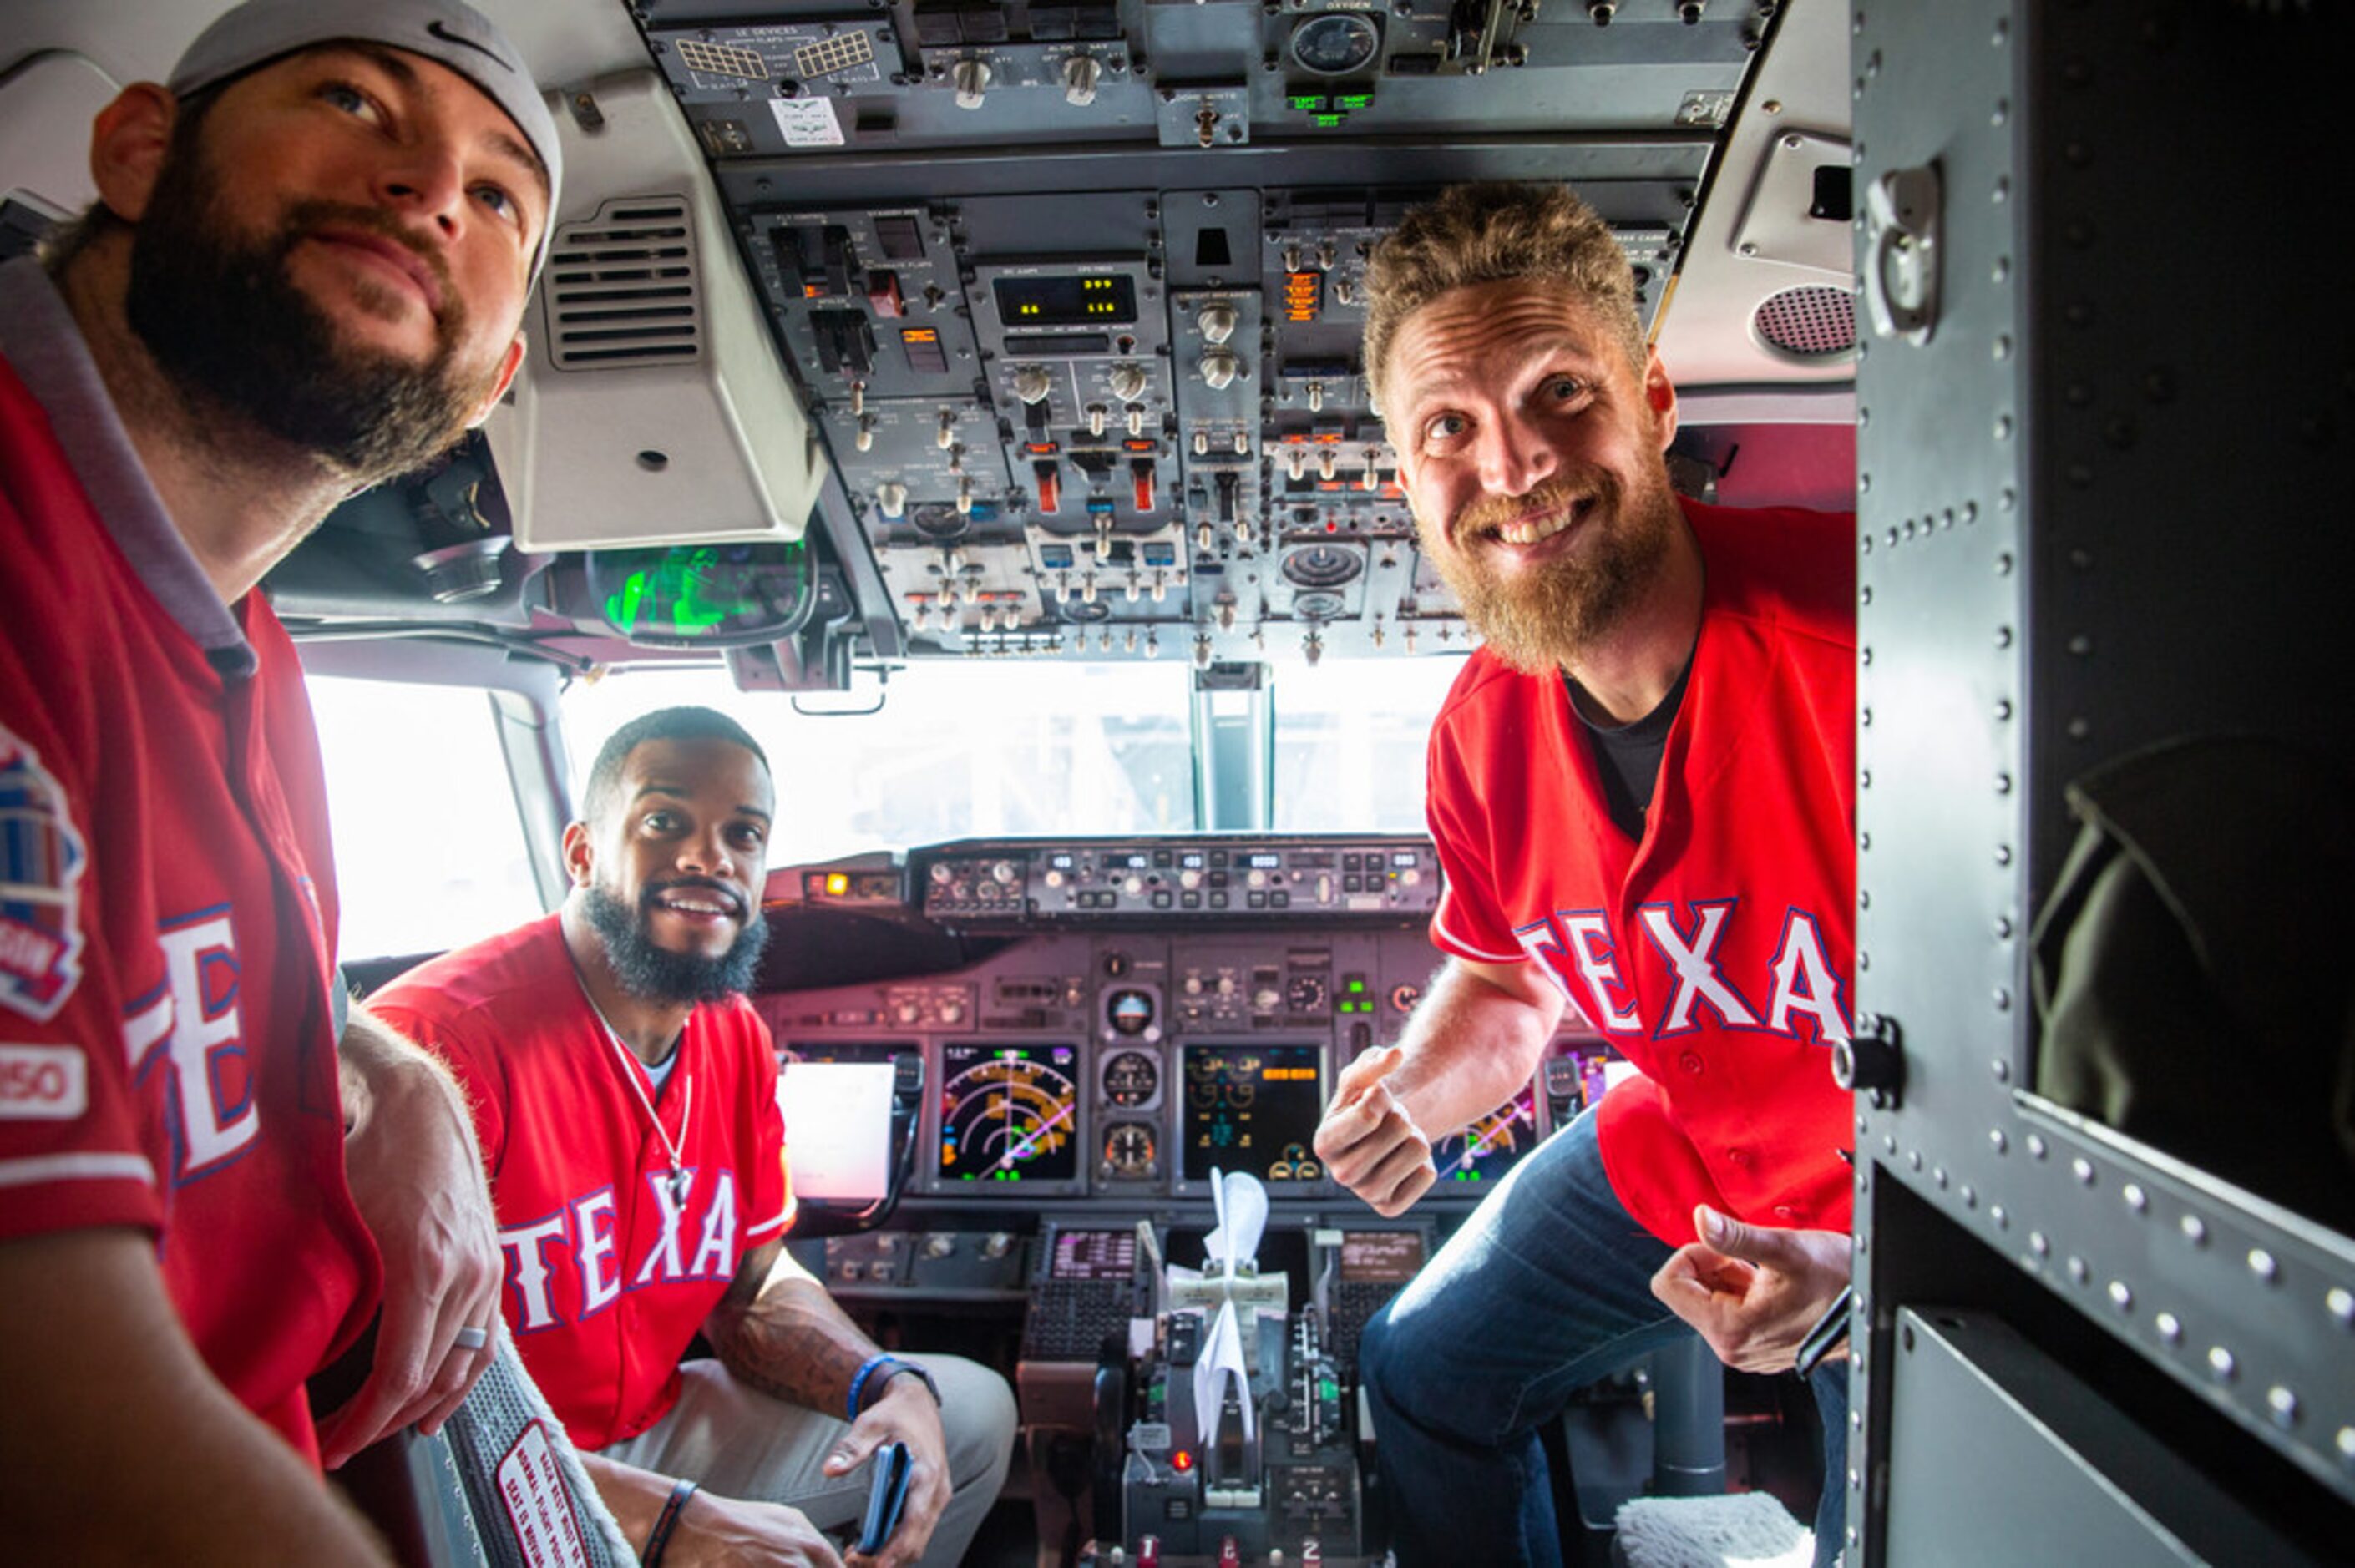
(1095,1255)
(1193,860)
(1264,861)
(1404,858)
(1081,299)
(1380,1258)
(1253,1109)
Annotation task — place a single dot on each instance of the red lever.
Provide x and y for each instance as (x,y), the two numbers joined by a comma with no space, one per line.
(1050,486)
(1140,474)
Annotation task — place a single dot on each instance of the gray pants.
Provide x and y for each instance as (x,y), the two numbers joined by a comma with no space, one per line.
(741,1443)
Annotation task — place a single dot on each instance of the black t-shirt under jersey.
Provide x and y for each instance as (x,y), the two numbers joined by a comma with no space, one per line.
(1627,756)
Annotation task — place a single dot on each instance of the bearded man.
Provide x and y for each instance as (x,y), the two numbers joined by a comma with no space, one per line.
(305,272)
(626,1094)
(1641,788)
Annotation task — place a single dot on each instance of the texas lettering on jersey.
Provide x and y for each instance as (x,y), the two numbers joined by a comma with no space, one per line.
(696,1240)
(1593,963)
(192,1032)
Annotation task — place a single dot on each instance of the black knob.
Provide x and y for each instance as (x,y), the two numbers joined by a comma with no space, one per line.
(1872,1061)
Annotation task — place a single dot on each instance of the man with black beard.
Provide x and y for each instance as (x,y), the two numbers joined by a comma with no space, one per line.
(306,271)
(1642,792)
(625,1095)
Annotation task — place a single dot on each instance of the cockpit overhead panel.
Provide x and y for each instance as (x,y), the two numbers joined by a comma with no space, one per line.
(1075,291)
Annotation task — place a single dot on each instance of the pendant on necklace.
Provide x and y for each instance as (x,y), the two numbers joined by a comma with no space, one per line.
(678,1185)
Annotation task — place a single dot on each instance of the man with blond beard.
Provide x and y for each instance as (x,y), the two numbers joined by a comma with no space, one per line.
(1642,792)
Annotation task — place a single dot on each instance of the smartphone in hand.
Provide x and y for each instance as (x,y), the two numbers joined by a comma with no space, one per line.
(887,1493)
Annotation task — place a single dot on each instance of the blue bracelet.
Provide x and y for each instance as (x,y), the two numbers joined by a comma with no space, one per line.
(858,1381)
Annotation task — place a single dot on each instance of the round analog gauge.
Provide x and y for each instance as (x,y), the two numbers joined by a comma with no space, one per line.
(1130,1011)
(1484,1150)
(1010,1113)
(1131,1078)
(1128,1150)
(1305,993)
(1340,43)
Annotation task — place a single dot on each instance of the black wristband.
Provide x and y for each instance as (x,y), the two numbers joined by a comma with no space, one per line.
(894,1367)
(664,1521)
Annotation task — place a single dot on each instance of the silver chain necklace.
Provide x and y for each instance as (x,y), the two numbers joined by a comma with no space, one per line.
(627,1064)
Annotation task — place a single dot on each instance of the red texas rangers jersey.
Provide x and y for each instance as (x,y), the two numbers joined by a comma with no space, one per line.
(167,916)
(1714,954)
(611,1264)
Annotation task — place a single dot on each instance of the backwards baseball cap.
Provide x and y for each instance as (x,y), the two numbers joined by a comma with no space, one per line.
(448,32)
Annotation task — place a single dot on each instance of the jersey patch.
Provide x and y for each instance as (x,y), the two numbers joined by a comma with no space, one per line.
(43,1083)
(41,860)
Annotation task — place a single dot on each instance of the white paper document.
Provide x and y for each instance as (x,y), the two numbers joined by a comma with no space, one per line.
(838,1128)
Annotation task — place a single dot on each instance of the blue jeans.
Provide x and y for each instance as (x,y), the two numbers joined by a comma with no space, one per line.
(1545,1289)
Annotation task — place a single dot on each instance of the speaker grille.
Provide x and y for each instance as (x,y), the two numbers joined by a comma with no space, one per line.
(621,287)
(1812,322)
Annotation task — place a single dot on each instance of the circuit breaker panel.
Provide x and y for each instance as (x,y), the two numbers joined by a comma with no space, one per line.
(1074,292)
(2094,479)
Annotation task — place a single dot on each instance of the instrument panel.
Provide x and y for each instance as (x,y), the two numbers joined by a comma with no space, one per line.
(1125,1052)
(1073,295)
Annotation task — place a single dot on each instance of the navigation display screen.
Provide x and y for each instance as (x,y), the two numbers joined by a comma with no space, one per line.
(1253,1109)
(1008,1113)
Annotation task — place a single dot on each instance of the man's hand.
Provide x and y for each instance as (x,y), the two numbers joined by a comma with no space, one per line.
(417,1180)
(1752,1291)
(713,1531)
(905,1414)
(1368,1141)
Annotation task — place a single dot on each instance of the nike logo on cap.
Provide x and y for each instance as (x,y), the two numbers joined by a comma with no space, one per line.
(441,30)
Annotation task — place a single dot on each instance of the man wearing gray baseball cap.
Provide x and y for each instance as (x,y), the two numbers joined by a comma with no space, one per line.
(305,273)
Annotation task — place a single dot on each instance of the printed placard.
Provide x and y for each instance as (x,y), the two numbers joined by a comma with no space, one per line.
(538,1505)
(807,121)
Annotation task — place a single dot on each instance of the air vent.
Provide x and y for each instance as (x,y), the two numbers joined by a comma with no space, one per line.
(1815,322)
(622,289)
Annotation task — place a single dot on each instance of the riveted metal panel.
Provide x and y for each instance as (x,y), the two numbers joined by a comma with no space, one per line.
(1941,869)
(2078,1482)
(2132,442)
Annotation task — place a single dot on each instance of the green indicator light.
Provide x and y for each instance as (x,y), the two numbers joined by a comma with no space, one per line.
(1357,985)
(1354,101)
(1307,102)
(1328,122)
